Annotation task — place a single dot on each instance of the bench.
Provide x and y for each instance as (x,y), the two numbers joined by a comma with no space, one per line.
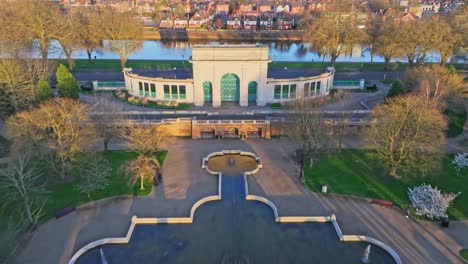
(64,212)
(382,202)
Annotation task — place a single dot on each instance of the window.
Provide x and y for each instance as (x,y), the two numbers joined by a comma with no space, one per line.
(140,88)
(175,94)
(292,91)
(182,93)
(153,90)
(277,92)
(313,85)
(318,87)
(306,89)
(146,89)
(285,92)
(167,92)
(326,87)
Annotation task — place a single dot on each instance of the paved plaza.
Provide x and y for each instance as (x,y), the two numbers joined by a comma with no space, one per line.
(185,182)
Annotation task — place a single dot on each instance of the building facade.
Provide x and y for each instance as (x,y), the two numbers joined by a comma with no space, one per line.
(229,73)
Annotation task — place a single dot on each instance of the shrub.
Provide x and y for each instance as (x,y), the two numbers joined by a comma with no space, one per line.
(396,89)
(44,91)
(66,83)
(460,161)
(429,201)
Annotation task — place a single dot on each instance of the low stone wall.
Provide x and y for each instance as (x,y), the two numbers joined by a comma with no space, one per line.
(250,197)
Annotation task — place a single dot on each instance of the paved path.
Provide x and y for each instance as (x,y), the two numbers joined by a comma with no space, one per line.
(184,183)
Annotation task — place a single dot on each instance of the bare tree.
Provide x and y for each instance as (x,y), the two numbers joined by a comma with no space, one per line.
(407,130)
(143,139)
(142,168)
(445,38)
(88,39)
(19,78)
(309,129)
(123,32)
(386,43)
(335,34)
(342,119)
(21,184)
(70,37)
(414,41)
(435,82)
(60,127)
(107,115)
(38,21)
(94,175)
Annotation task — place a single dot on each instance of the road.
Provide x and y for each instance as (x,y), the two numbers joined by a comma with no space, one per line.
(106,75)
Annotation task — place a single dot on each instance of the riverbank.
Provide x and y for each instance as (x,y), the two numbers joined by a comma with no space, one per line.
(231,35)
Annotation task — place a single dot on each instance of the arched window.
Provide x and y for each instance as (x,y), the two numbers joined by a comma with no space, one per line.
(208,91)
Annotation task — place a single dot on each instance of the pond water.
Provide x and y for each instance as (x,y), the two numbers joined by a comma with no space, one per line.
(234,230)
(182,50)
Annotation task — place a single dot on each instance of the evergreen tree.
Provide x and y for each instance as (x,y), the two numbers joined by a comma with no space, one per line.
(397,89)
(44,91)
(66,83)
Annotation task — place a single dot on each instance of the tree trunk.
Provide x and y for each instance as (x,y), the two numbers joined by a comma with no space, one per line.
(142,183)
(393,172)
(71,62)
(123,60)
(301,172)
(340,139)
(44,47)
(443,59)
(410,61)
(386,63)
(106,144)
(333,59)
(89,52)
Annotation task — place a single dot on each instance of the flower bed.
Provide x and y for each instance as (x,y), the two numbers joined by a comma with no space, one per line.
(124,96)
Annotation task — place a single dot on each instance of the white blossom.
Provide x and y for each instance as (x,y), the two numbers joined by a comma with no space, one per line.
(430,201)
(460,161)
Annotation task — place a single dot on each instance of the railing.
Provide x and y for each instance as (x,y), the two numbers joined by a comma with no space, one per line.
(346,83)
(224,122)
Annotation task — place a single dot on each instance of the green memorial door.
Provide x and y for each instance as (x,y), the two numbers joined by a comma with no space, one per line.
(230,88)
(252,91)
(208,91)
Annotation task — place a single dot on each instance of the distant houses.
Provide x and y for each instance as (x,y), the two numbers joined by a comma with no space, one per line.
(252,15)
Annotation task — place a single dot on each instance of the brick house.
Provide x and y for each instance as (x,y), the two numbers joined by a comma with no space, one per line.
(222,8)
(233,23)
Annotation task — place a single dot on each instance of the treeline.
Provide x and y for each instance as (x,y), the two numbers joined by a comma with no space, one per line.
(32,27)
(335,33)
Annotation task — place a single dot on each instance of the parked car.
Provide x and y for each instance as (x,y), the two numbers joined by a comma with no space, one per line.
(88,86)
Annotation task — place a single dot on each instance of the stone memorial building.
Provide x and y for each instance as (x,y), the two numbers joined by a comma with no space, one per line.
(230,73)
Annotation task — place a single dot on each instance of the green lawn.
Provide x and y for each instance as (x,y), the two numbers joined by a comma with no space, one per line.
(114,65)
(456,122)
(360,173)
(464,254)
(65,195)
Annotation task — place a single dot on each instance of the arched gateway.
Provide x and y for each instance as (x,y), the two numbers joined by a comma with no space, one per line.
(230,88)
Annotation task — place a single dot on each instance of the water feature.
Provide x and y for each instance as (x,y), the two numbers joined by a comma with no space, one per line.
(365,257)
(234,230)
(278,51)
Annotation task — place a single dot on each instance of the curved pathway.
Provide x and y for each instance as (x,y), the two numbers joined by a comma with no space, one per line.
(185,182)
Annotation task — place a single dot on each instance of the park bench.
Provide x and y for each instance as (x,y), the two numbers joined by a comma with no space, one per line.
(64,212)
(382,202)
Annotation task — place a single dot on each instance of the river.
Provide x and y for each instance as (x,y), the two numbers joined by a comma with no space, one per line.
(182,50)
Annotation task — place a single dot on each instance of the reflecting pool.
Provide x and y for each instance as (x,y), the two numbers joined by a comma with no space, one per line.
(234,230)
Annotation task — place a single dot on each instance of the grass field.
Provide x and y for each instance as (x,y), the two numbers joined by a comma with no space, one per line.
(464,254)
(360,173)
(65,195)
